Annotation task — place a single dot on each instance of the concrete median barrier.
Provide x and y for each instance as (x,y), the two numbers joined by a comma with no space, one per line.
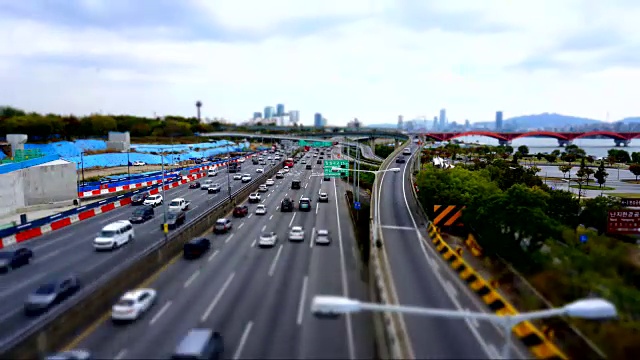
(61,325)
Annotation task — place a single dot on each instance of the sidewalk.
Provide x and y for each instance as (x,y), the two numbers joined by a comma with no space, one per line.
(40,211)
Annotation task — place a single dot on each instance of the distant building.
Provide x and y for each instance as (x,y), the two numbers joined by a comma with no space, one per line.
(354,124)
(443,119)
(435,123)
(257,115)
(294,116)
(400,122)
(467,125)
(269,112)
(280,110)
(324,122)
(498,120)
(317,120)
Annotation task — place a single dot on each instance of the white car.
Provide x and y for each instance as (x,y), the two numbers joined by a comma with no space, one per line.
(241,160)
(254,198)
(285,167)
(114,235)
(323,238)
(237,177)
(285,170)
(212,172)
(133,304)
(153,200)
(139,163)
(207,184)
(268,239)
(260,170)
(324,197)
(261,209)
(246,178)
(270,182)
(296,233)
(263,188)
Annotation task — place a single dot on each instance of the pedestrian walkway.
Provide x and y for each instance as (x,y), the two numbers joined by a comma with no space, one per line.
(40,211)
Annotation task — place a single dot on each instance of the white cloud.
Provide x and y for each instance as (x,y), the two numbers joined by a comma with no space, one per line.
(371,68)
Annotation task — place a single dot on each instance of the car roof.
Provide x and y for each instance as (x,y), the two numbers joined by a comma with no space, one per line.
(134,294)
(304,198)
(197,240)
(194,342)
(116,225)
(222,220)
(178,199)
(296,228)
(323,232)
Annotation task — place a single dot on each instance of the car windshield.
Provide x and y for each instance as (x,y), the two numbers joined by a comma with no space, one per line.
(138,212)
(296,230)
(125,302)
(260,207)
(221,222)
(175,203)
(171,216)
(137,196)
(267,234)
(107,233)
(46,289)
(153,197)
(6,255)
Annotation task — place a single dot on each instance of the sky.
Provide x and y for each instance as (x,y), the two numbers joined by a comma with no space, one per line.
(366,59)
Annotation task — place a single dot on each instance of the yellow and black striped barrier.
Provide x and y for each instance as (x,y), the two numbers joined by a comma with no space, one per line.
(533,338)
(447,215)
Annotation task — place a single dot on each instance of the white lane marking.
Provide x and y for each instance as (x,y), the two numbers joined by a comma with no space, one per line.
(313,234)
(191,278)
(303,297)
(249,217)
(393,227)
(213,255)
(317,207)
(229,238)
(271,217)
(272,268)
(448,287)
(243,340)
(292,218)
(240,226)
(121,354)
(264,227)
(253,244)
(305,185)
(217,298)
(159,313)
(343,273)
(277,207)
(49,242)
(41,258)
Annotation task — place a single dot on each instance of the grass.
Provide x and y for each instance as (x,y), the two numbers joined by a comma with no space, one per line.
(630,181)
(592,187)
(626,195)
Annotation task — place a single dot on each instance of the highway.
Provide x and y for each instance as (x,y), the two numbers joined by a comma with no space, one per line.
(258,298)
(422,278)
(70,249)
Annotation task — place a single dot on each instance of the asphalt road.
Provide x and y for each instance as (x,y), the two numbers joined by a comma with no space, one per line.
(70,249)
(257,298)
(422,278)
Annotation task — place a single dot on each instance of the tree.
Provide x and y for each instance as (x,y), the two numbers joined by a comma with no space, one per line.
(635,170)
(584,172)
(508,149)
(523,150)
(570,158)
(550,158)
(635,157)
(565,169)
(601,174)
(621,156)
(575,150)
(595,211)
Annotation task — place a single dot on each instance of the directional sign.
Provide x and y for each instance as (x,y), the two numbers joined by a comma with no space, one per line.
(356,205)
(623,222)
(630,202)
(315,144)
(330,164)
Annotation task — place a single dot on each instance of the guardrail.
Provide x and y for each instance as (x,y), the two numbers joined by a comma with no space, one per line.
(59,326)
(392,338)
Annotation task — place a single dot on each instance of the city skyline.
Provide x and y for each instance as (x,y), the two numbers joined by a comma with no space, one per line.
(87,57)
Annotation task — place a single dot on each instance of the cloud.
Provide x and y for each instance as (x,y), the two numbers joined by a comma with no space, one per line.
(373,59)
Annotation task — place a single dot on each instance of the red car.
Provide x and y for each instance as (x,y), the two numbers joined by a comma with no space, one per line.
(241,211)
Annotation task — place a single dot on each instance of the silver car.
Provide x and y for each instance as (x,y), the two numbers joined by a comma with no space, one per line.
(50,294)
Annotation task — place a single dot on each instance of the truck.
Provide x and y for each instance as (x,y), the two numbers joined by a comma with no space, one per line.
(178,204)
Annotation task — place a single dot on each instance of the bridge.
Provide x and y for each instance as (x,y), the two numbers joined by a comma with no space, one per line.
(564,138)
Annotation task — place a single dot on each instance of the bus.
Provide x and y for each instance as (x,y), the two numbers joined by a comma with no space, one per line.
(289,162)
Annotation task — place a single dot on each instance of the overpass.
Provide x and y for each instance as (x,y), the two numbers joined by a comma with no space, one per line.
(564,138)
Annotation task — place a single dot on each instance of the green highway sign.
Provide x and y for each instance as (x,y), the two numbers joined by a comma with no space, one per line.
(329,164)
(315,143)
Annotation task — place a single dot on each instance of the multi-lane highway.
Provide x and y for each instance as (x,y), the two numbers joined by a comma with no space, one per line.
(258,298)
(421,278)
(70,249)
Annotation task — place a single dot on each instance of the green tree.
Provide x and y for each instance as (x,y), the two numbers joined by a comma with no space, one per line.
(635,157)
(635,170)
(550,158)
(565,169)
(575,150)
(584,172)
(601,174)
(508,149)
(570,158)
(595,211)
(621,156)
(564,207)
(523,150)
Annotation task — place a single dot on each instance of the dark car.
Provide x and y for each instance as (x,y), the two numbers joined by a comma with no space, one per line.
(139,198)
(13,259)
(319,161)
(327,178)
(400,160)
(286,205)
(214,189)
(308,167)
(200,344)
(222,226)
(196,248)
(241,211)
(304,204)
(295,184)
(50,294)
(194,185)
(175,219)
(142,214)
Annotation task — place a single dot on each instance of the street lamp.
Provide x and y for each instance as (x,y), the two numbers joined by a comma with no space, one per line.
(164,203)
(592,309)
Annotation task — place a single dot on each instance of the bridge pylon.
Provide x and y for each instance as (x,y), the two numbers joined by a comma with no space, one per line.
(504,142)
(563,143)
(619,142)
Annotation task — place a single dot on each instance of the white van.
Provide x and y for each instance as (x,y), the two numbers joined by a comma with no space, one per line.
(212,172)
(114,235)
(406,151)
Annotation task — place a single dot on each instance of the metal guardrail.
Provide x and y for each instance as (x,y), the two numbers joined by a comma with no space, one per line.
(46,321)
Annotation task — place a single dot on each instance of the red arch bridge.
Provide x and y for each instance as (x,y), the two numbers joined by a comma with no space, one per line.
(564,138)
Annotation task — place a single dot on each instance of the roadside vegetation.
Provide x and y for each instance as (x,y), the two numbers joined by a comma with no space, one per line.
(521,221)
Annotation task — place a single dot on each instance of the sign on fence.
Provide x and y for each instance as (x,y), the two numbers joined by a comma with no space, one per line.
(623,222)
(630,202)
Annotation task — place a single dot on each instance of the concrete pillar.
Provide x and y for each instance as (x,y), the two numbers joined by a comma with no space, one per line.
(563,143)
(619,143)
(504,142)
(17,142)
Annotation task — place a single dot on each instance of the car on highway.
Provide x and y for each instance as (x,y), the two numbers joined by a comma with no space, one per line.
(406,151)
(254,198)
(263,188)
(175,218)
(304,204)
(322,237)
(270,182)
(303,161)
(139,163)
(323,197)
(261,209)
(319,162)
(142,214)
(309,167)
(237,177)
(153,200)
(139,198)
(179,204)
(222,226)
(400,160)
(259,170)
(114,235)
(200,344)
(214,189)
(246,178)
(50,294)
(74,354)
(212,172)
(279,175)
(241,211)
(326,178)
(268,239)
(14,258)
(207,183)
(195,248)
(241,160)
(296,233)
(286,205)
(296,184)
(285,170)
(132,305)
(194,185)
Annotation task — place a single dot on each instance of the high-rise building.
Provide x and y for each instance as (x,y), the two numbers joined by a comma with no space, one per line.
(257,115)
(498,120)
(443,119)
(317,120)
(435,123)
(467,125)
(269,112)
(400,122)
(280,110)
(294,116)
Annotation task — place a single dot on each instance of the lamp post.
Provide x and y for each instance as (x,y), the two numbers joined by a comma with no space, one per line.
(593,309)
(82,165)
(228,175)
(164,204)
(128,165)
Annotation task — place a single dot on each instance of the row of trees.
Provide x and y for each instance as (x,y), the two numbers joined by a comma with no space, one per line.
(537,230)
